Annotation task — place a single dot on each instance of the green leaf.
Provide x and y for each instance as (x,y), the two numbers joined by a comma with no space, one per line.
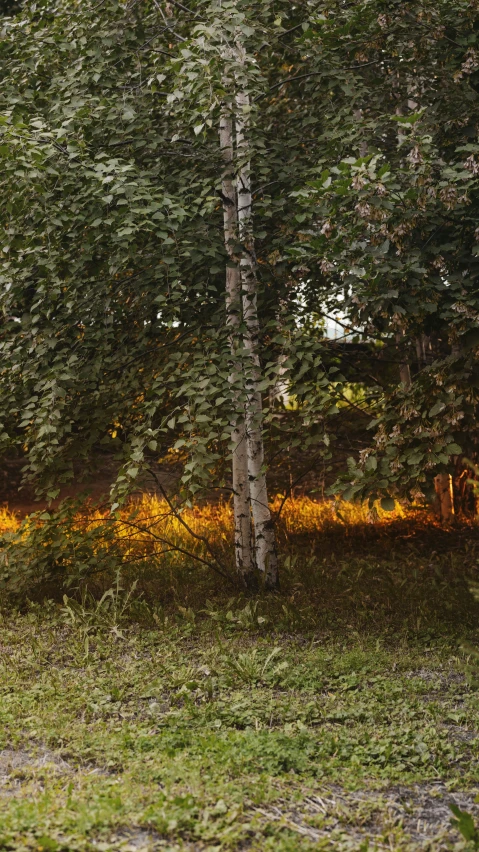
(415,457)
(46,843)
(437,408)
(454,449)
(464,823)
(388,504)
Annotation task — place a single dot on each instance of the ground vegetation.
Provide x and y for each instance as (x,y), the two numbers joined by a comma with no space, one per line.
(341,714)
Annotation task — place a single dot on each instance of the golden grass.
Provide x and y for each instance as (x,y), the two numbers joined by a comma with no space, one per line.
(306,516)
(150,526)
(151,517)
(298,514)
(160,546)
(9,520)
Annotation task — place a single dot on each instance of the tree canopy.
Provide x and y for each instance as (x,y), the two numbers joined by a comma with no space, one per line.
(362,130)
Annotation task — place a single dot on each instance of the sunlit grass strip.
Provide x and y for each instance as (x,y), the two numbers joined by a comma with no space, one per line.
(303,515)
(151,517)
(154,541)
(150,514)
(9,521)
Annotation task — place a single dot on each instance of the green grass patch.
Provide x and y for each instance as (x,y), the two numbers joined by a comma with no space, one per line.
(181,715)
(213,734)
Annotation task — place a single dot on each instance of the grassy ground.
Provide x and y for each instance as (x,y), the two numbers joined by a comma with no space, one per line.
(333,715)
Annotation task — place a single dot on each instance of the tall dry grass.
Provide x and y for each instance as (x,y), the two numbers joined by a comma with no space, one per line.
(341,564)
(9,521)
(160,546)
(151,526)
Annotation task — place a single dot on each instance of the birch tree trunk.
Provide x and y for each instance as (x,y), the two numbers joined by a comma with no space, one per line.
(264,533)
(241,492)
(444,496)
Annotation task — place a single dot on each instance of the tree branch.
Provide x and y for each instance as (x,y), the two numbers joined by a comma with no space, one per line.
(316,74)
(223,571)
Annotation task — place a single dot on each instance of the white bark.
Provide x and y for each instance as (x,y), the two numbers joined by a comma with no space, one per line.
(241,494)
(264,534)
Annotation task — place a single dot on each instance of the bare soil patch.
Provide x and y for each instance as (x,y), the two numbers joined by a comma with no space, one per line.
(19,768)
(414,816)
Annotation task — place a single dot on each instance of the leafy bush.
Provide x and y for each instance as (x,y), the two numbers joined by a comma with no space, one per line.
(56,551)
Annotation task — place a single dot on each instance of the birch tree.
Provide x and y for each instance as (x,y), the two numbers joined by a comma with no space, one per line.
(240,481)
(253,521)
(144,315)
(264,537)
(140,141)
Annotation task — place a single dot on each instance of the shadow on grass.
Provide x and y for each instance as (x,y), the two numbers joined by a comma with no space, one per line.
(339,570)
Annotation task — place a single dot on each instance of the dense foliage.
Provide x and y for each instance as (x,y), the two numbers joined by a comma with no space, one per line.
(394,225)
(113,279)
(363,134)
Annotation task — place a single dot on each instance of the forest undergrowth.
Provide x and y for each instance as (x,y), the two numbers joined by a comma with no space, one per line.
(330,552)
(156,707)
